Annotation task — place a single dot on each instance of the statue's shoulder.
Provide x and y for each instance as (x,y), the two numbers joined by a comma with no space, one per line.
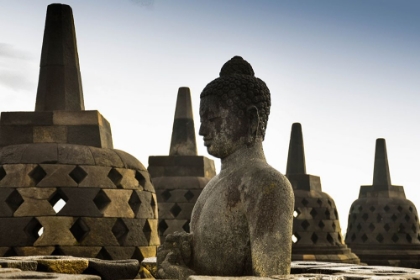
(263,176)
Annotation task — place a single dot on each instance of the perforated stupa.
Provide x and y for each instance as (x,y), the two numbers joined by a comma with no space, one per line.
(316,227)
(383,226)
(62,155)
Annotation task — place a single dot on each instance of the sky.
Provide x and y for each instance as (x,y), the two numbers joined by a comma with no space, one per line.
(348,71)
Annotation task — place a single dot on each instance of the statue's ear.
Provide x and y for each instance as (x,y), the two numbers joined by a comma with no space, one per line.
(253,123)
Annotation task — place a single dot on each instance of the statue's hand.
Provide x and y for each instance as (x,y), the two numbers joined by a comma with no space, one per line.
(174,255)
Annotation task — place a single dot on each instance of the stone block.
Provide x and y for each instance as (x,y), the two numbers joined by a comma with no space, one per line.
(26,118)
(56,231)
(74,154)
(181,166)
(78,118)
(178,195)
(9,201)
(152,233)
(18,231)
(79,202)
(145,180)
(15,134)
(99,232)
(119,203)
(178,182)
(175,210)
(44,275)
(27,265)
(97,176)
(33,251)
(172,225)
(35,202)
(12,154)
(143,204)
(17,175)
(58,264)
(80,251)
(50,134)
(106,157)
(119,252)
(144,252)
(57,175)
(133,232)
(40,153)
(124,178)
(130,161)
(88,135)
(116,269)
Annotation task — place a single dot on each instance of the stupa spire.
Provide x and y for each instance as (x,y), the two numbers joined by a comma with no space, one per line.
(183,141)
(381,175)
(296,158)
(60,83)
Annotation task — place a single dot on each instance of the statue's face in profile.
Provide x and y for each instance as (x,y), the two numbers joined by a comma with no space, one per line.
(222,130)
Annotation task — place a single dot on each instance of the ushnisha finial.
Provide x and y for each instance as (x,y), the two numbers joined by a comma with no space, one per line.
(60,83)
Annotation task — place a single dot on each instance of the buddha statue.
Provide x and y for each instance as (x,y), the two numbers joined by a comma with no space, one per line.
(241,223)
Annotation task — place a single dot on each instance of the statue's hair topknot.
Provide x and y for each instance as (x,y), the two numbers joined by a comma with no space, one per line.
(238,88)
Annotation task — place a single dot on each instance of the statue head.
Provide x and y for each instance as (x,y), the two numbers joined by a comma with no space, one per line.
(234,109)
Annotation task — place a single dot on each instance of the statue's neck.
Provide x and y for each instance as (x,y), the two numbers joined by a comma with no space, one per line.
(243,156)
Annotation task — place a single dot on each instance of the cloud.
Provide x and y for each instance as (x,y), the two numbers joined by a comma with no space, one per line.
(16,81)
(8,51)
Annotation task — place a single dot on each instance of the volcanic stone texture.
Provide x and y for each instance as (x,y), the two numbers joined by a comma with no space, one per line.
(180,177)
(383,226)
(108,203)
(316,226)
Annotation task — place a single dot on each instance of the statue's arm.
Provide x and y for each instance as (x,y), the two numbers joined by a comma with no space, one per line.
(269,202)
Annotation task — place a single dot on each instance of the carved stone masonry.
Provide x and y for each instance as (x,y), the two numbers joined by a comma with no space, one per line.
(316,227)
(61,155)
(383,226)
(180,177)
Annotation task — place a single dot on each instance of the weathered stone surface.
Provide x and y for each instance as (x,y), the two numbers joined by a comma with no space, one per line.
(74,154)
(12,154)
(118,205)
(99,232)
(27,265)
(35,202)
(80,251)
(44,275)
(316,227)
(50,134)
(241,224)
(109,270)
(18,231)
(61,155)
(56,231)
(58,264)
(79,202)
(143,204)
(15,134)
(106,157)
(60,85)
(383,227)
(27,118)
(183,133)
(40,153)
(33,251)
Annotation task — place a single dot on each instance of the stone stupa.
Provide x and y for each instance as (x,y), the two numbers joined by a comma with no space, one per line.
(316,227)
(383,226)
(180,177)
(63,154)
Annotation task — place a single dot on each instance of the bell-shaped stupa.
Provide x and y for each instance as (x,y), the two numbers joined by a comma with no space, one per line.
(383,226)
(316,227)
(180,177)
(64,189)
